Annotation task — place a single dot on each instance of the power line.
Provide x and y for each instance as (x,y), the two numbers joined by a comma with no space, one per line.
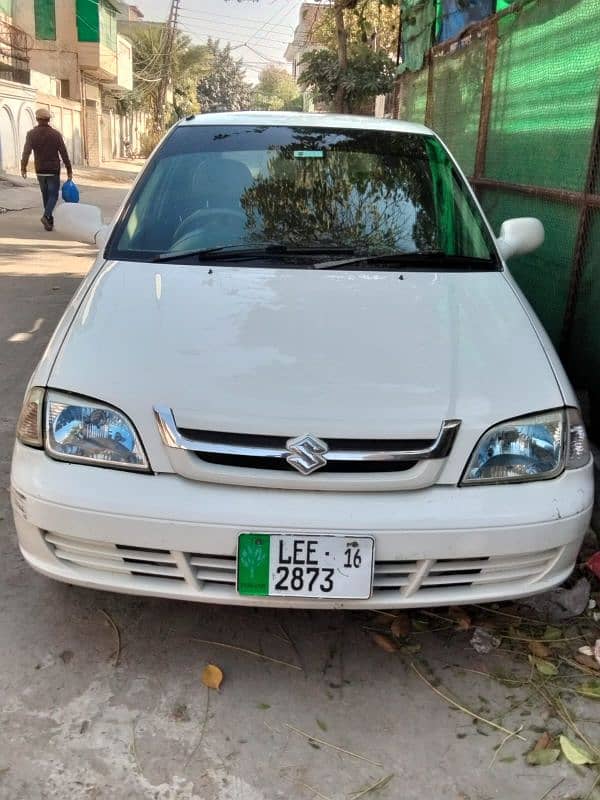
(231,20)
(224,31)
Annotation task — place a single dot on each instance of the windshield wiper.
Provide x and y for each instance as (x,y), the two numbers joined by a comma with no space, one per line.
(232,252)
(425,258)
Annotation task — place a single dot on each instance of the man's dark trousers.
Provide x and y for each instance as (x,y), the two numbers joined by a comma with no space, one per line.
(50,186)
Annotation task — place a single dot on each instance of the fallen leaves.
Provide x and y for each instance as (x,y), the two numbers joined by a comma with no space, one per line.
(592,652)
(575,753)
(542,758)
(539,649)
(385,643)
(587,661)
(212,676)
(546,668)
(590,689)
(400,625)
(460,617)
(543,752)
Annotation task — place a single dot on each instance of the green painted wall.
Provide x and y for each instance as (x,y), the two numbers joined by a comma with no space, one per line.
(6,7)
(45,19)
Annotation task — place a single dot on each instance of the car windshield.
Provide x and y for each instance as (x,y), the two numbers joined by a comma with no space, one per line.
(366,192)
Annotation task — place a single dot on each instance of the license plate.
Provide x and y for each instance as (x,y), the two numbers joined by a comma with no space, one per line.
(271,564)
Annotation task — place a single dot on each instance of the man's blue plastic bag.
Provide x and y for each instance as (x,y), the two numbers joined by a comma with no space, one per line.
(70,192)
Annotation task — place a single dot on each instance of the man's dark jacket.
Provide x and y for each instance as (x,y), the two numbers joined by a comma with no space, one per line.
(46,143)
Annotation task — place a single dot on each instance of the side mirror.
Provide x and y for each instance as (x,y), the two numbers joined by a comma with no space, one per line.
(81,222)
(519,236)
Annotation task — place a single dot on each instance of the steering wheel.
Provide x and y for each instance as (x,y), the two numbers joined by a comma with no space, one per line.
(202,218)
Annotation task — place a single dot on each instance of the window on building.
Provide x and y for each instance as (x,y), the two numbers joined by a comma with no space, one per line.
(108,26)
(88,20)
(45,19)
(64,88)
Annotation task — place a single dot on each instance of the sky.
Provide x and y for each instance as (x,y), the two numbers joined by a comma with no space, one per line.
(258,31)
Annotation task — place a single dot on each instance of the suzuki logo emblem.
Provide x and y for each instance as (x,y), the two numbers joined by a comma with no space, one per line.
(307,453)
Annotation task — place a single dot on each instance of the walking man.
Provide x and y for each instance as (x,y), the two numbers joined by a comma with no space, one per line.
(47,144)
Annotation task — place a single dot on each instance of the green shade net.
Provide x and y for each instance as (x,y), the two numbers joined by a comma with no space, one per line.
(584,352)
(545,94)
(413,98)
(457,88)
(45,19)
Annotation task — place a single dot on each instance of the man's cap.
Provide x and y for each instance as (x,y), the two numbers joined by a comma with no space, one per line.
(42,113)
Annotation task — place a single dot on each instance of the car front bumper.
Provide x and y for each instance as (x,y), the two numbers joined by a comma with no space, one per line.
(165,536)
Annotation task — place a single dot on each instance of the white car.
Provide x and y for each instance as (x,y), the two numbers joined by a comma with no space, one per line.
(300,374)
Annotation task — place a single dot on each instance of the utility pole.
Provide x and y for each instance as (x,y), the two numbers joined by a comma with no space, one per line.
(168,42)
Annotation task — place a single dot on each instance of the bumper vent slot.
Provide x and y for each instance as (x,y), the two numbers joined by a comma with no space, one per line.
(199,572)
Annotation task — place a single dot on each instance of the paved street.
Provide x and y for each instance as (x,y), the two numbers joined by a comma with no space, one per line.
(82,717)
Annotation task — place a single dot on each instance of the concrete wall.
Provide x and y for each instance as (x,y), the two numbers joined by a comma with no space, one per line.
(124,63)
(17,110)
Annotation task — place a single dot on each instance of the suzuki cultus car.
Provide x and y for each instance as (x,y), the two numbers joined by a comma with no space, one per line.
(300,373)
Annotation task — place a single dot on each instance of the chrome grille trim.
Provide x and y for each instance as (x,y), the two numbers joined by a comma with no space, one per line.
(172,437)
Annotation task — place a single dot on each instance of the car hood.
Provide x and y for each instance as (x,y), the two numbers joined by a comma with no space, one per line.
(288,351)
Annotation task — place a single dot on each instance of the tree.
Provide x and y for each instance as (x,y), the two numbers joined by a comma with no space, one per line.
(276,90)
(188,64)
(361,34)
(224,87)
(366,74)
(372,22)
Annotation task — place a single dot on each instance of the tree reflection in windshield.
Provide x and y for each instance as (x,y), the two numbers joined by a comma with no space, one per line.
(342,195)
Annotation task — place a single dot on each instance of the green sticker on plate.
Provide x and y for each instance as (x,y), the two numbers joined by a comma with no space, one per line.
(253,563)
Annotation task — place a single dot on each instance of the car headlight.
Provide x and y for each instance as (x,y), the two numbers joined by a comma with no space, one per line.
(530,448)
(77,429)
(88,432)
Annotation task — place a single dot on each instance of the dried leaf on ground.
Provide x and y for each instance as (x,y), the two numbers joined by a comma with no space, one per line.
(552,633)
(460,616)
(593,563)
(387,644)
(321,724)
(590,689)
(483,642)
(542,758)
(543,742)
(544,667)
(592,652)
(212,676)
(381,620)
(575,753)
(401,625)
(539,649)
(587,661)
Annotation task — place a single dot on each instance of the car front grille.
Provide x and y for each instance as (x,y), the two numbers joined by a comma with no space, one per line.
(305,461)
(200,572)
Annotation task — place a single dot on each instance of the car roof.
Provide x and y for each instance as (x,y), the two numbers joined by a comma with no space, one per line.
(305,120)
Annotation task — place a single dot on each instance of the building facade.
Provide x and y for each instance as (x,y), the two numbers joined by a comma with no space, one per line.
(68,56)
